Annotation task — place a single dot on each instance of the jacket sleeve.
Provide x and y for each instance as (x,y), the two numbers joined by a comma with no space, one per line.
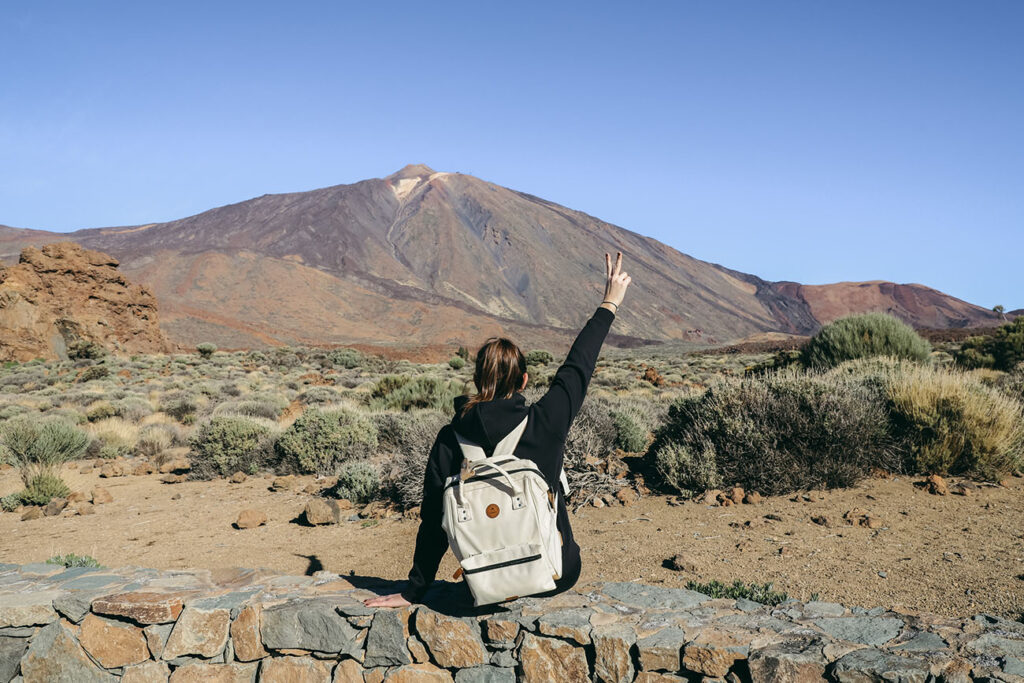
(569,385)
(431,540)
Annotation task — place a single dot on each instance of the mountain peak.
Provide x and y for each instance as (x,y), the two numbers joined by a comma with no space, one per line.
(412,171)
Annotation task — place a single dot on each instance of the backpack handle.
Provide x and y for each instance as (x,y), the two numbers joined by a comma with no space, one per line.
(473,466)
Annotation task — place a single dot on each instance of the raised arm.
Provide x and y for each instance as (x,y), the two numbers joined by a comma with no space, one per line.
(569,385)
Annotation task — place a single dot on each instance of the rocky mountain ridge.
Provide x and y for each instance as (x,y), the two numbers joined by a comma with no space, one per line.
(422,257)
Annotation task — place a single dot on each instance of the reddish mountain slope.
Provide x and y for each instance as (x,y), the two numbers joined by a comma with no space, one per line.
(423,257)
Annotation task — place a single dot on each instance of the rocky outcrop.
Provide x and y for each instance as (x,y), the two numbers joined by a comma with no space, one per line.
(245,625)
(63,294)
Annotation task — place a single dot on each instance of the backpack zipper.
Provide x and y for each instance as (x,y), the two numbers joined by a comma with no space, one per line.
(501,565)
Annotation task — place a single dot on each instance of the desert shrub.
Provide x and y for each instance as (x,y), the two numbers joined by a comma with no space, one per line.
(763,593)
(100,410)
(592,434)
(180,405)
(39,448)
(785,432)
(321,440)
(227,444)
(1012,383)
(456,363)
(402,392)
(267,407)
(132,408)
(630,435)
(687,470)
(84,349)
(206,349)
(13,410)
(317,395)
(10,502)
(42,488)
(358,481)
(154,439)
(72,560)
(864,336)
(113,438)
(1002,350)
(538,357)
(407,438)
(345,358)
(94,372)
(953,424)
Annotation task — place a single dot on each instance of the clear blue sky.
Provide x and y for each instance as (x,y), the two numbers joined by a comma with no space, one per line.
(815,141)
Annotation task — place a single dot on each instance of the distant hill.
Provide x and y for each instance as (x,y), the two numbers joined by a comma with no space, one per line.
(421,257)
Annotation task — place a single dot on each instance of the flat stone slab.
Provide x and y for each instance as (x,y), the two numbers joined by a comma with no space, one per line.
(864,630)
(28,609)
(653,597)
(306,625)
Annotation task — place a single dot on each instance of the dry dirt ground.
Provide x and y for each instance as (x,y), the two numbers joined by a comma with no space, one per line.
(955,555)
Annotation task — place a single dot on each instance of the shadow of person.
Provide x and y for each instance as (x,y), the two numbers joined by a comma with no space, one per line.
(444,597)
(314,566)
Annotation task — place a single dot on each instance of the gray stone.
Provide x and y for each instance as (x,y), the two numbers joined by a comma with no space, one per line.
(924,641)
(33,608)
(307,625)
(868,665)
(234,600)
(662,651)
(991,622)
(1011,665)
(54,656)
(816,609)
(17,631)
(386,641)
(74,605)
(613,653)
(875,612)
(11,650)
(866,630)
(485,674)
(195,659)
(748,606)
(640,595)
(503,658)
(573,624)
(997,646)
(42,569)
(793,660)
(355,608)
(93,582)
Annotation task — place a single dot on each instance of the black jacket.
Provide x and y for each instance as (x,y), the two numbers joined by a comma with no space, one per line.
(542,442)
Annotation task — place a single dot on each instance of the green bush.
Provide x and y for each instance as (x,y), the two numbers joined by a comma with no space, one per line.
(100,410)
(269,408)
(1002,350)
(1012,383)
(42,488)
(763,593)
(206,349)
(94,372)
(39,448)
(230,443)
(687,470)
(10,502)
(346,358)
(630,435)
(86,350)
(953,424)
(321,440)
(358,481)
(785,432)
(318,395)
(72,560)
(864,336)
(538,357)
(402,392)
(180,405)
(456,363)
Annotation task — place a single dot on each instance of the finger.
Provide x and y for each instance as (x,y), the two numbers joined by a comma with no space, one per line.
(623,275)
(607,265)
(618,263)
(627,280)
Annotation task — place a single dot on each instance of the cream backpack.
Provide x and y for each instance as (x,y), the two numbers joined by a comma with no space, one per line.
(500,517)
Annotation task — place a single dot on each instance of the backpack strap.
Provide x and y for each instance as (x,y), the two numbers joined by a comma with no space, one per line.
(472,452)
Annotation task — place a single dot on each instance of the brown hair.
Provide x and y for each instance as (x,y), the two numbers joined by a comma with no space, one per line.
(500,367)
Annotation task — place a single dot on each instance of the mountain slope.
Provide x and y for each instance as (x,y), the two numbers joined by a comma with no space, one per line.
(424,257)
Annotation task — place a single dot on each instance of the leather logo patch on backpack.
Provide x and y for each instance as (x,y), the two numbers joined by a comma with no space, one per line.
(492,511)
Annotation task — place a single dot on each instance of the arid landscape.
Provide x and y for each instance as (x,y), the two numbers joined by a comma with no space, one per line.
(951,554)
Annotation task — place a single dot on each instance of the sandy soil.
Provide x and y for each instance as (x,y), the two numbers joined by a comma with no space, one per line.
(950,554)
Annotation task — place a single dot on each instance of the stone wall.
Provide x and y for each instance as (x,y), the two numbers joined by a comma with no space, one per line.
(141,625)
